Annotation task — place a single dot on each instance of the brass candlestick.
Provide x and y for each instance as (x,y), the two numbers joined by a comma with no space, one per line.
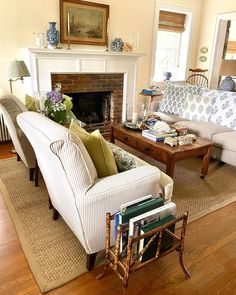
(107,49)
(68,43)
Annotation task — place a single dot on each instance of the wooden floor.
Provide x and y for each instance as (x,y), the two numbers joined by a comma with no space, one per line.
(210,256)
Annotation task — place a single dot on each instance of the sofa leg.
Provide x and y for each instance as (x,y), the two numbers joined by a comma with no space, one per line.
(36,176)
(18,158)
(91,261)
(31,174)
(55,214)
(50,206)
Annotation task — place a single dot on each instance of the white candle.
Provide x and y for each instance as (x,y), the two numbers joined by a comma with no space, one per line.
(108,25)
(134,117)
(68,23)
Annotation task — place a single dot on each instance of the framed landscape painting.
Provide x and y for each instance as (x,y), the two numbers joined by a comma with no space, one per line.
(83,22)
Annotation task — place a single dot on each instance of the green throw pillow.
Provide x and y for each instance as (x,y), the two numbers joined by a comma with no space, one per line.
(30,103)
(98,150)
(123,160)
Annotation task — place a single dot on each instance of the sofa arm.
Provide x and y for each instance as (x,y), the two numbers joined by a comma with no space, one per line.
(107,194)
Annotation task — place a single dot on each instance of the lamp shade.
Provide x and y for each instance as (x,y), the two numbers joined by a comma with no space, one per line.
(228,67)
(18,69)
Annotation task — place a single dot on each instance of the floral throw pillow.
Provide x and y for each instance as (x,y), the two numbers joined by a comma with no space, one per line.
(197,107)
(123,160)
(175,95)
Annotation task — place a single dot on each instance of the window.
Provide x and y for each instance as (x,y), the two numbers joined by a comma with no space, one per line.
(171,43)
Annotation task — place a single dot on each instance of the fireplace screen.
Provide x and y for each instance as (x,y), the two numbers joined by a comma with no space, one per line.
(92,107)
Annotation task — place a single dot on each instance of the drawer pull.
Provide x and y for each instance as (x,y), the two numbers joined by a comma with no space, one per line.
(146,149)
(126,138)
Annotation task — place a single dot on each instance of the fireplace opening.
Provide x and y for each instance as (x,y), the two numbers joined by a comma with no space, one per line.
(91,107)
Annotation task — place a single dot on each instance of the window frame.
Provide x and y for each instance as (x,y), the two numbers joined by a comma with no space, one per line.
(159,5)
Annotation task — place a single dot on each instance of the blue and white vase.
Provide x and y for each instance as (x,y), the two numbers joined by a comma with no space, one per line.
(167,76)
(117,45)
(52,35)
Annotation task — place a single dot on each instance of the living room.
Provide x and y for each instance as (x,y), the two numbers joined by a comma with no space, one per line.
(209,246)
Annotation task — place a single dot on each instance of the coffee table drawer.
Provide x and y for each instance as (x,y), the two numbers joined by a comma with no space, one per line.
(144,147)
(125,138)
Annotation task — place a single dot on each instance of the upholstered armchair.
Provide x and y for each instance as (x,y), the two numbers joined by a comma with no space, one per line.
(76,192)
(10,107)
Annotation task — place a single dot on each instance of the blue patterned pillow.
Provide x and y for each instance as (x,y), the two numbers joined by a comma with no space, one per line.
(123,160)
(175,95)
(197,107)
(224,108)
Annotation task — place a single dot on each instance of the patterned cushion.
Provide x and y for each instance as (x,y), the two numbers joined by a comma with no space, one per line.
(123,160)
(175,95)
(197,107)
(224,108)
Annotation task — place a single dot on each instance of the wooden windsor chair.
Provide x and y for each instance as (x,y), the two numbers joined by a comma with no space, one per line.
(197,77)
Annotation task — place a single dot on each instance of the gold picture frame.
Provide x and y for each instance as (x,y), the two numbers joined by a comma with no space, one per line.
(83,22)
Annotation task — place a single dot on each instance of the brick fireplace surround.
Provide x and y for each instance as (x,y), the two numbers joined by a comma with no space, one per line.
(77,83)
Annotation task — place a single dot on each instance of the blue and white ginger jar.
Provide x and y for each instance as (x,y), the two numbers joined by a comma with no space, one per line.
(117,45)
(52,35)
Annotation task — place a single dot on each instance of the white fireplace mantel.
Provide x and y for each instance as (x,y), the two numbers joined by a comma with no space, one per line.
(43,62)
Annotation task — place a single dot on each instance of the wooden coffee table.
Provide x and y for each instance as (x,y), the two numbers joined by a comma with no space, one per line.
(162,152)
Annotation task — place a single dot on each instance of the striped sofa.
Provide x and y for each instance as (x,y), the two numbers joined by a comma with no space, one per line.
(76,192)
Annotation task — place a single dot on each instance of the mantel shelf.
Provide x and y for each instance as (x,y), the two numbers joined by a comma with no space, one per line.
(75,52)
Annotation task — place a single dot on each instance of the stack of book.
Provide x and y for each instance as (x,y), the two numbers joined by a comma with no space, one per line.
(143,215)
(158,136)
(151,92)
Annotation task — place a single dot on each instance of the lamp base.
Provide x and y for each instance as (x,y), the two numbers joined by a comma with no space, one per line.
(227,84)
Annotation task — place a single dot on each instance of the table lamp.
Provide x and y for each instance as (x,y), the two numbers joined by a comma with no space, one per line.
(228,69)
(17,71)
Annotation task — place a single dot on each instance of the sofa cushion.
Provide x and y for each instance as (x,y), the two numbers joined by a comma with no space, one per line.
(226,140)
(76,162)
(197,107)
(224,107)
(98,150)
(203,129)
(175,95)
(168,117)
(124,161)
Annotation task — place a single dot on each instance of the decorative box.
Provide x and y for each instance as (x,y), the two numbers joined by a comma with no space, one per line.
(181,130)
(171,141)
(184,140)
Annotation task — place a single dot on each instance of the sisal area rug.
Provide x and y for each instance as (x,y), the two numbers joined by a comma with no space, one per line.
(54,254)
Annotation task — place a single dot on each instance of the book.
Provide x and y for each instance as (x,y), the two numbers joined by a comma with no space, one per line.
(158,136)
(166,241)
(135,223)
(128,205)
(135,209)
(151,92)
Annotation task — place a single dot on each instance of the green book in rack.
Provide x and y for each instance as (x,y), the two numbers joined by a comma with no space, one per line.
(166,242)
(140,209)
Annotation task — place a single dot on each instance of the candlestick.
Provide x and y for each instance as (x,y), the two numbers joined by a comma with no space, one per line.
(68,23)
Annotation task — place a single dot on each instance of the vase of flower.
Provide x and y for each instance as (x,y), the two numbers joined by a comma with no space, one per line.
(52,35)
(58,106)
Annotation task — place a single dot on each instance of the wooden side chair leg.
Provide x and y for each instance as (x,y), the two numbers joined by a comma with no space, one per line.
(91,261)
(31,173)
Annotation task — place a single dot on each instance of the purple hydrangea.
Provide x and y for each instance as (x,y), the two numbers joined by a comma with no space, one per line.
(54,96)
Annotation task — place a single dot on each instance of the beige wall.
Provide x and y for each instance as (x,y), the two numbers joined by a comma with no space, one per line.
(210,10)
(19,19)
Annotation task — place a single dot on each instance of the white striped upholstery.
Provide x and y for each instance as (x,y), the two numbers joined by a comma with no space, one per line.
(81,198)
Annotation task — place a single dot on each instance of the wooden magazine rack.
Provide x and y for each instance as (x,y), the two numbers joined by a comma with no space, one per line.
(123,266)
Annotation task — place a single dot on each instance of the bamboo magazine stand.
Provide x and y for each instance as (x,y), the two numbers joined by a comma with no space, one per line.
(123,266)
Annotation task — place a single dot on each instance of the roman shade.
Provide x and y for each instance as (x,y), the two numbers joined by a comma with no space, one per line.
(171,21)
